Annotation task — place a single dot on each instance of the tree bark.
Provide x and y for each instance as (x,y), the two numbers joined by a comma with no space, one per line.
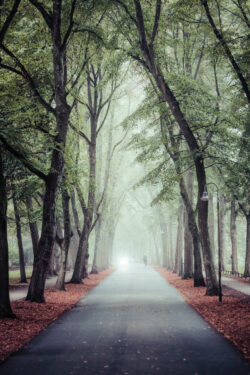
(211,223)
(5,307)
(51,270)
(222,231)
(98,227)
(247,258)
(33,225)
(179,242)
(75,213)
(188,243)
(60,283)
(198,276)
(233,234)
(53,180)
(23,278)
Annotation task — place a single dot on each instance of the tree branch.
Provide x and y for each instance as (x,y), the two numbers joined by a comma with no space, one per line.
(228,52)
(94,223)
(156,23)
(79,132)
(124,6)
(28,78)
(18,155)
(46,16)
(71,23)
(8,20)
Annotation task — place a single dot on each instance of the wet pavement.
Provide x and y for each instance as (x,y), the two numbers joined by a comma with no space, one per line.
(132,323)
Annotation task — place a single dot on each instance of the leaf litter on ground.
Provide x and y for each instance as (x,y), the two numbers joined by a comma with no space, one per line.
(32,317)
(230,317)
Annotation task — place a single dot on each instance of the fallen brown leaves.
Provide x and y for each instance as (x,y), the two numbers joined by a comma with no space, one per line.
(231,317)
(34,317)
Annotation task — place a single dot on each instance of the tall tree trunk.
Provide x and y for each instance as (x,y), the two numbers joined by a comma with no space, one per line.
(211,223)
(23,278)
(51,270)
(198,276)
(179,242)
(233,234)
(53,180)
(82,251)
(188,242)
(188,250)
(105,188)
(33,225)
(5,307)
(222,231)
(247,259)
(75,213)
(60,283)
(98,227)
(168,95)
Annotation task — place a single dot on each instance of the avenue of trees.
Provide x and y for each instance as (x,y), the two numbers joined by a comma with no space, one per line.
(92,89)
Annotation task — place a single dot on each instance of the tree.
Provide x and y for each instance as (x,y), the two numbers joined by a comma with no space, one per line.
(5,308)
(149,59)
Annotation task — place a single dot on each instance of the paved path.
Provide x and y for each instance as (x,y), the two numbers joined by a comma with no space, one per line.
(133,323)
(237,285)
(21,292)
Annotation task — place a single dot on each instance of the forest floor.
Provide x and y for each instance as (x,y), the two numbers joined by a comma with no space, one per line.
(231,317)
(33,317)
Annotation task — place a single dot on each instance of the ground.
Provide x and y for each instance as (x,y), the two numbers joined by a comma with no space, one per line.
(135,323)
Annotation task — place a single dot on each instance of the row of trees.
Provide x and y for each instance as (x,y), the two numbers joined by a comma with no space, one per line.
(62,67)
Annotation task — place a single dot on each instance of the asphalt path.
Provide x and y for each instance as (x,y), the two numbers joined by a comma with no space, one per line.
(21,292)
(132,323)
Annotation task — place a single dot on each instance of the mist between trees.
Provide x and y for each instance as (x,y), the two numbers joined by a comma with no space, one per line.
(115,116)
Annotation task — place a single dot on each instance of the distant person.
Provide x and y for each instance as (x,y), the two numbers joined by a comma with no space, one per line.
(145,260)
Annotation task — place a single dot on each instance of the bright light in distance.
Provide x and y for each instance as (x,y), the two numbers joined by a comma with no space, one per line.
(123,262)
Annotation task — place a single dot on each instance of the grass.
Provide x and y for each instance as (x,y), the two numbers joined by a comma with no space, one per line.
(15,274)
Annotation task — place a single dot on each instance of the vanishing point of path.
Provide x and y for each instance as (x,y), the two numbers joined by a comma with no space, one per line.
(133,323)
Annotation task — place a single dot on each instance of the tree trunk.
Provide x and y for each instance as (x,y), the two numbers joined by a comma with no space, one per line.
(164,241)
(82,252)
(179,242)
(169,97)
(33,225)
(60,283)
(53,180)
(5,307)
(222,231)
(75,213)
(188,242)
(198,276)
(99,225)
(247,259)
(51,270)
(233,234)
(23,278)
(97,245)
(188,250)
(211,223)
